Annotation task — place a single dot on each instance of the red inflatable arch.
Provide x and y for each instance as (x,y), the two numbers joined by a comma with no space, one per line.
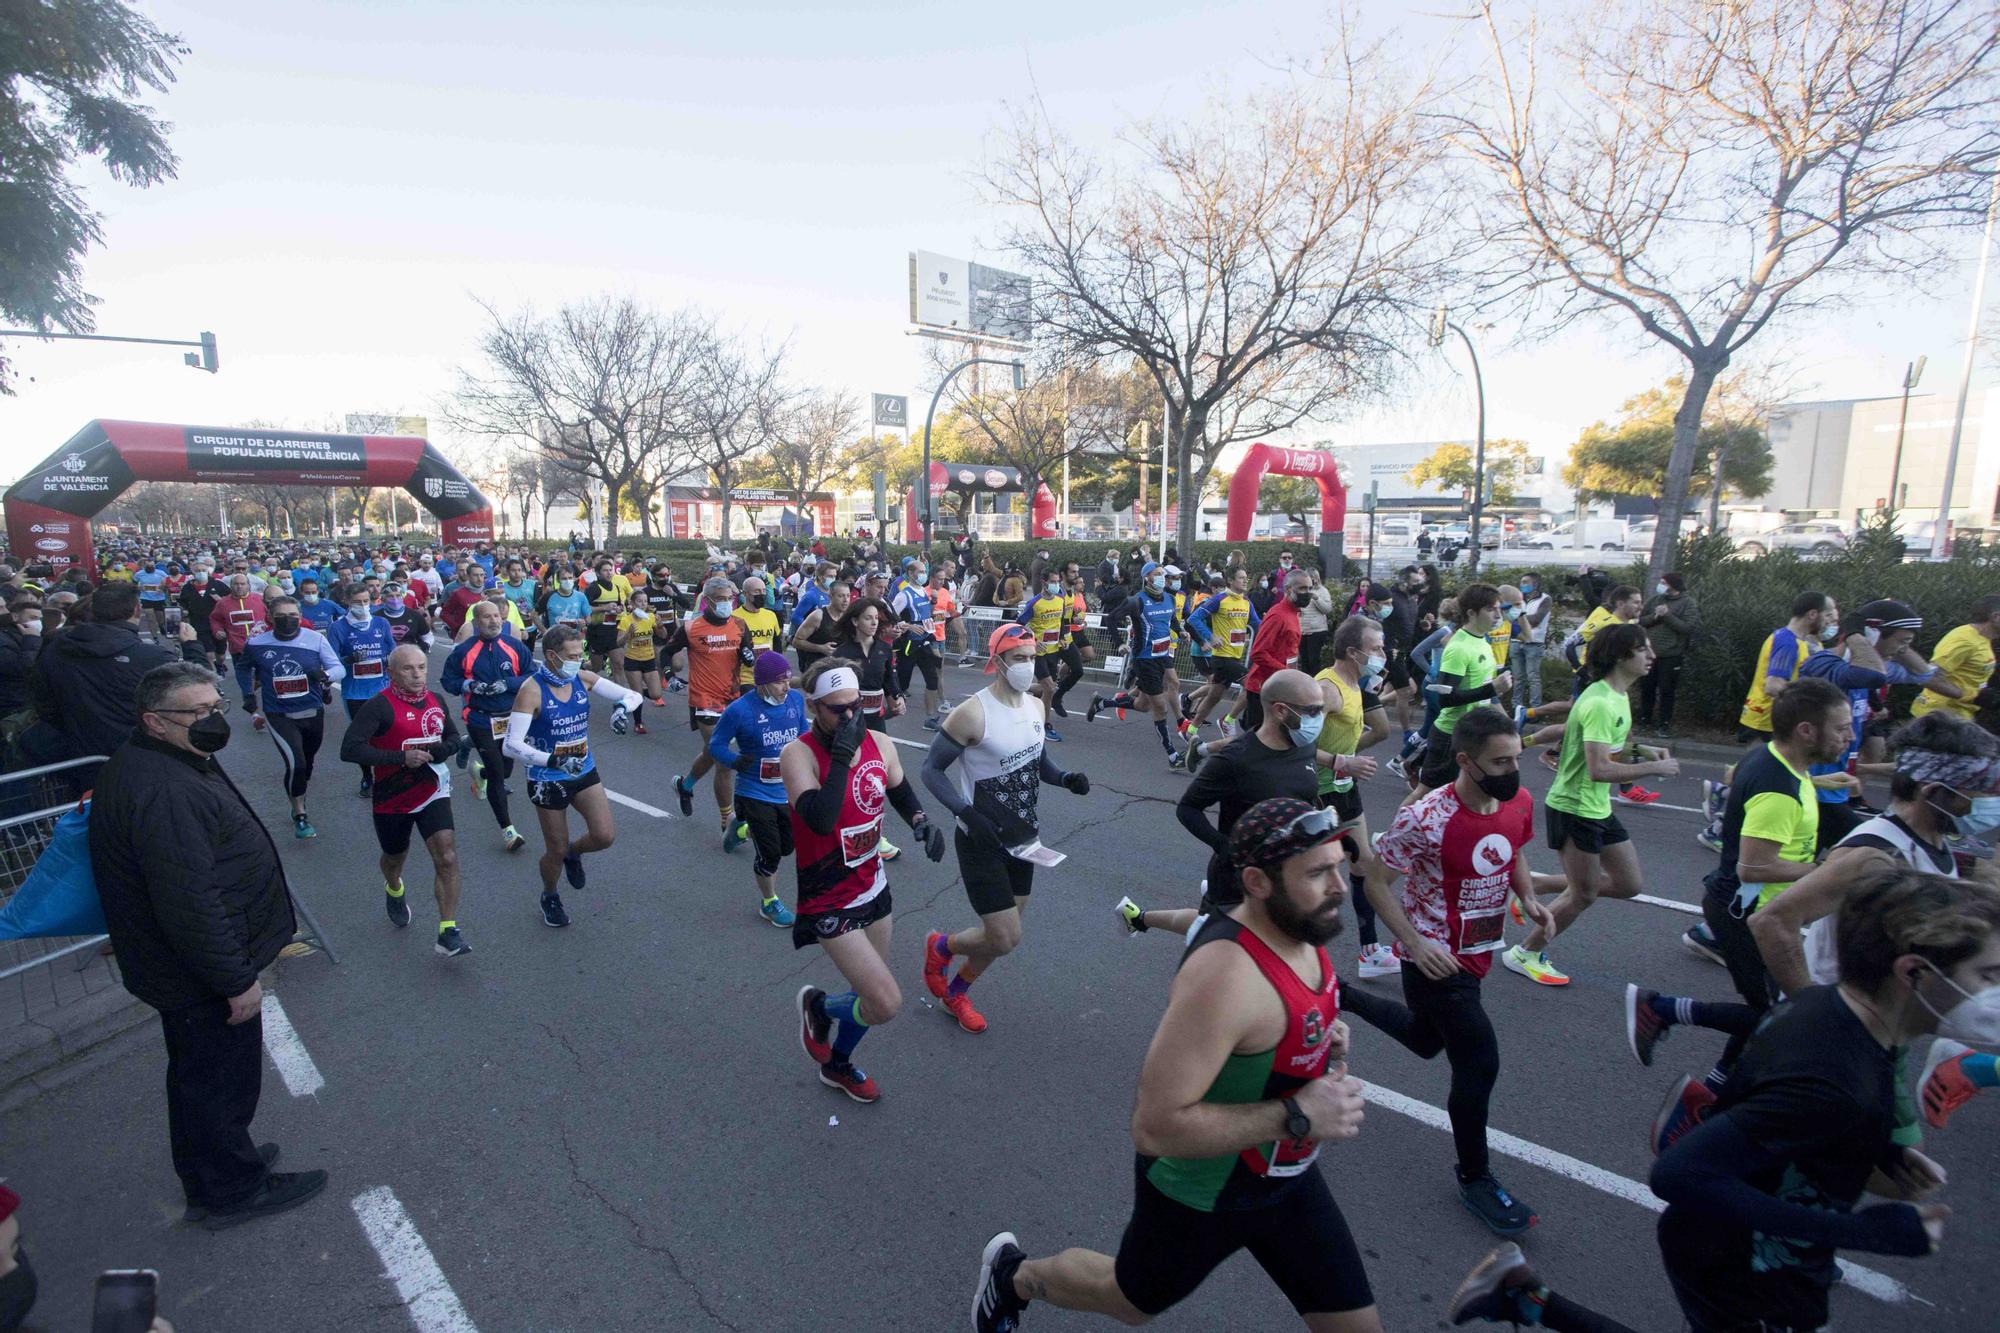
(49,510)
(1262,458)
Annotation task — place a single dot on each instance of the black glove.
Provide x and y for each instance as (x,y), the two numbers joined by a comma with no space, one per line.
(746,764)
(1077,782)
(847,738)
(933,839)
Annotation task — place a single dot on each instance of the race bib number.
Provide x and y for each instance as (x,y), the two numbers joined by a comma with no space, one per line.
(1163,647)
(368,670)
(500,726)
(290,687)
(570,750)
(1238,637)
(871,701)
(608,616)
(1051,636)
(421,742)
(1482,931)
(858,842)
(1291,1157)
(242,617)
(767,769)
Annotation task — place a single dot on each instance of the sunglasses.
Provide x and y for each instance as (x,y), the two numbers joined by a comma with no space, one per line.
(842,711)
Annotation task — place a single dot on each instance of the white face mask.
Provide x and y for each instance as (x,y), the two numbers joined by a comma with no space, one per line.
(1020,675)
(1976,1022)
(1660,588)
(1376,666)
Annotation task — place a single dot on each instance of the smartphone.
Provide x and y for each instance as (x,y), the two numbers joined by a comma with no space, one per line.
(127,1300)
(173,617)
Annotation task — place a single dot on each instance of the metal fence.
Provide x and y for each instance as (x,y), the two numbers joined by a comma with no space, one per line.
(42,975)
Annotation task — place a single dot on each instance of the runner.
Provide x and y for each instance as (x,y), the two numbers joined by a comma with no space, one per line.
(550,729)
(1598,857)
(488,670)
(717,644)
(1359,659)
(565,603)
(1078,652)
(1466,675)
(236,617)
(1276,645)
(761,624)
(405,734)
(1458,852)
(1224,624)
(819,628)
(1154,616)
(608,592)
(997,733)
(915,604)
(519,590)
(1965,656)
(1245,1078)
(760,725)
(1779,658)
(362,642)
(295,668)
(1047,617)
(838,778)
(639,650)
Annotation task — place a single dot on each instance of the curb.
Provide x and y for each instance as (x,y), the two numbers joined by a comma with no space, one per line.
(39,1045)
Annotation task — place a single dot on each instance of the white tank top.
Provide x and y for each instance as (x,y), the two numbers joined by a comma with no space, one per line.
(1006,765)
(1822,948)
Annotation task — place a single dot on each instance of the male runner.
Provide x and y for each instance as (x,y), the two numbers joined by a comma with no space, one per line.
(996,739)
(1779,658)
(914,604)
(405,734)
(1458,854)
(1243,1082)
(607,592)
(235,618)
(760,624)
(1078,652)
(1276,645)
(759,726)
(1047,617)
(838,780)
(550,729)
(1466,675)
(487,671)
(1360,656)
(1224,624)
(717,644)
(1597,853)
(1965,657)
(1156,624)
(295,667)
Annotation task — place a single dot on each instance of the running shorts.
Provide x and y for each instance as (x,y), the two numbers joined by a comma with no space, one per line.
(1048,666)
(558,793)
(600,638)
(770,831)
(699,717)
(392,830)
(1346,805)
(993,879)
(830,925)
(1149,675)
(1399,670)
(1588,835)
(1228,670)
(1299,1238)
(1440,765)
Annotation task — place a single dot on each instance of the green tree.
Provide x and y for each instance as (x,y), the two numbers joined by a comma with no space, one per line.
(1449,467)
(1632,456)
(69,73)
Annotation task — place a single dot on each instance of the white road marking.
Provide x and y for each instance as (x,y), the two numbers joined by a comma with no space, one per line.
(1865,1280)
(914,745)
(1692,909)
(288,1053)
(640,806)
(1662,805)
(407,1261)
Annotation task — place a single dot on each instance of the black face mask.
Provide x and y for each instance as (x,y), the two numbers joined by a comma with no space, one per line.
(1500,786)
(285,627)
(17,1292)
(756,601)
(209,734)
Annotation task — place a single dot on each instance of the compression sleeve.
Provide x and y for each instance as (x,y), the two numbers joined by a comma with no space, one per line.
(1050,773)
(943,754)
(329,662)
(516,743)
(612,692)
(904,797)
(1458,694)
(820,807)
(358,746)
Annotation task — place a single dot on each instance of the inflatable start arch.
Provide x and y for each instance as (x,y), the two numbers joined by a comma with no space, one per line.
(977,479)
(49,510)
(1262,458)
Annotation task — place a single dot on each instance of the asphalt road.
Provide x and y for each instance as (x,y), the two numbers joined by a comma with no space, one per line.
(613,1126)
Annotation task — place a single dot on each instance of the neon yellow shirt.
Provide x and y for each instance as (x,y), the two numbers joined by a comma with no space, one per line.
(1966,658)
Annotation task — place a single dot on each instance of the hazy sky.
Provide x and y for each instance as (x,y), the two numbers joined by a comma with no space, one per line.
(354,174)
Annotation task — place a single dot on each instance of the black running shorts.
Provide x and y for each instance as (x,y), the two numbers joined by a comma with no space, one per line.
(1228,670)
(1588,835)
(392,830)
(993,879)
(770,831)
(558,793)
(1048,666)
(830,925)
(1149,675)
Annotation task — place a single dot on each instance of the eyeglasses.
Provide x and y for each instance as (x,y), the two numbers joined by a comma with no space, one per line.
(215,709)
(842,711)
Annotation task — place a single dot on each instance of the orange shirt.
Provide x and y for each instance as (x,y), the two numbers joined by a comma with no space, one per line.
(714,656)
(944,607)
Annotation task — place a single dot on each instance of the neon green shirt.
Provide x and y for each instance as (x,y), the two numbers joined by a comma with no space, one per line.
(1603,715)
(1469,658)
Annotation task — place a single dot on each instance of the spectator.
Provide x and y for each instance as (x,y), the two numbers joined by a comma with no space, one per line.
(85,685)
(20,643)
(1670,618)
(192,931)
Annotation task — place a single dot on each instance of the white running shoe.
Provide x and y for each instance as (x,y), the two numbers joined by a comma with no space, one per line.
(1378,960)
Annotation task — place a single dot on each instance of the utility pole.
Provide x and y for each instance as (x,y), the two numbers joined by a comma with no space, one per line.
(1911,374)
(924,474)
(1941,534)
(1439,326)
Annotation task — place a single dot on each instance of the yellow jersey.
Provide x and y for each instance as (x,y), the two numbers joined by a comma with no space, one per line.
(1048,621)
(1341,731)
(1781,655)
(1500,639)
(1229,626)
(1966,658)
(639,649)
(1595,621)
(761,626)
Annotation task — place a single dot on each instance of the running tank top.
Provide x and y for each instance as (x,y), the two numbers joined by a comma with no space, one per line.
(1253,1176)
(1341,731)
(1822,945)
(827,631)
(1005,768)
(843,869)
(562,727)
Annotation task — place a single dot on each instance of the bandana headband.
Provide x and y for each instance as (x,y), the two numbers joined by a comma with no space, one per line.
(1960,772)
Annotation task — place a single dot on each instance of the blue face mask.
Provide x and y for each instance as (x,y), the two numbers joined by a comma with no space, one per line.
(1977,822)
(1308,729)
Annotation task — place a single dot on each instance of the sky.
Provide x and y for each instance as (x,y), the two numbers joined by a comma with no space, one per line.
(356,176)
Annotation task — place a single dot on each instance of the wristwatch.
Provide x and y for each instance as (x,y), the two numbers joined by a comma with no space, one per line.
(1297,1126)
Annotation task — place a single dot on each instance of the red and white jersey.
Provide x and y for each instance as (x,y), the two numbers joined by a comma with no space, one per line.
(1458,867)
(843,869)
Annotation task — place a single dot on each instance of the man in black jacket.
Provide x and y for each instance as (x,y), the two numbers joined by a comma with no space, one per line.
(196,905)
(86,682)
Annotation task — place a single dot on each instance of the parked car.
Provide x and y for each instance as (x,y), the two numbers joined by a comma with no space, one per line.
(1460,534)
(1813,537)
(1639,536)
(1590,534)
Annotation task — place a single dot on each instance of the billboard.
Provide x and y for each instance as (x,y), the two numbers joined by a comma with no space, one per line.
(947,293)
(892,409)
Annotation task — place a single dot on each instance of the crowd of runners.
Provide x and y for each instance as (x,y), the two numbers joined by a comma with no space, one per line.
(1861,941)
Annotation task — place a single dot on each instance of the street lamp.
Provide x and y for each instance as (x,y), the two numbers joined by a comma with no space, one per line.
(1439,327)
(924,477)
(1911,374)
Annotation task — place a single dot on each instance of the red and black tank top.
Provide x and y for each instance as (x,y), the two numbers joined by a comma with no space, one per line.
(843,869)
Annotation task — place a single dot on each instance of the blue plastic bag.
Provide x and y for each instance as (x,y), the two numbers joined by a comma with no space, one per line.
(59,897)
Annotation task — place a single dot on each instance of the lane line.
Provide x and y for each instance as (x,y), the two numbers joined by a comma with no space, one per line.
(914,745)
(288,1053)
(1691,909)
(406,1261)
(1865,1280)
(640,806)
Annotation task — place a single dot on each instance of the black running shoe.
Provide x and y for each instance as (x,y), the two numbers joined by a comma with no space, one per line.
(1056,703)
(451,944)
(1096,707)
(573,869)
(1488,1290)
(686,794)
(399,908)
(552,911)
(996,1308)
(1644,1029)
(1502,1213)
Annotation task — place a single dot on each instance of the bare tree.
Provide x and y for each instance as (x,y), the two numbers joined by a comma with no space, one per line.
(1265,253)
(1065,410)
(738,399)
(1720,163)
(600,387)
(812,442)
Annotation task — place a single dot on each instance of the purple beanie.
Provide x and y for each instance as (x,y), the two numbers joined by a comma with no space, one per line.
(771,666)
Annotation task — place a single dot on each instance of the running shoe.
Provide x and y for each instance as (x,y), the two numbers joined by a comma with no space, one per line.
(685,790)
(1096,707)
(1488,1290)
(775,912)
(675,685)
(451,943)
(1551,760)
(1395,767)
(464,751)
(573,869)
(960,1007)
(1710,836)
(932,724)
(1052,733)
(1644,1029)
(1379,960)
(1413,740)
(857,1085)
(639,726)
(736,835)
(1176,760)
(1514,910)
(511,839)
(1187,705)
(995,1307)
(1228,725)
(935,964)
(815,1033)
(1635,795)
(1686,1107)
(1521,718)
(552,911)
(1699,940)
(302,827)
(1056,706)
(1943,1086)
(399,906)
(257,721)
(1714,798)
(1536,967)
(479,782)
(1130,915)
(889,851)
(1503,1214)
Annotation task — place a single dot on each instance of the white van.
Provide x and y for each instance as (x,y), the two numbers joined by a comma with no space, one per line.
(1588,534)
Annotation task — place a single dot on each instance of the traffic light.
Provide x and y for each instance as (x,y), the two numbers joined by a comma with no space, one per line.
(1437,328)
(208,359)
(1020,376)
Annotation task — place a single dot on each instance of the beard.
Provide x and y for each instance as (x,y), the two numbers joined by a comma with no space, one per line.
(1315,928)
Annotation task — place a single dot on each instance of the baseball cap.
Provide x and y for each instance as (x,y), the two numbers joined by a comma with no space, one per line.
(1000,640)
(1278,829)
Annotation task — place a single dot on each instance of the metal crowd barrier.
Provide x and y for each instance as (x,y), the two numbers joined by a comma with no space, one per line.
(33,799)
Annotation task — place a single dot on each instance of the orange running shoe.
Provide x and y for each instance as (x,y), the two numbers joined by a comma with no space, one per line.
(934,964)
(960,1007)
(1943,1087)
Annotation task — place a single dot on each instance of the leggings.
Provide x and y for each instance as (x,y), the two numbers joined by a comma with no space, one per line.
(1251,715)
(496,764)
(241,661)
(1443,1016)
(298,740)
(1312,647)
(1071,670)
(1746,966)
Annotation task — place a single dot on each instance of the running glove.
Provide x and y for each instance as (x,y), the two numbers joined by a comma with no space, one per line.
(621,720)
(933,839)
(1077,782)
(573,765)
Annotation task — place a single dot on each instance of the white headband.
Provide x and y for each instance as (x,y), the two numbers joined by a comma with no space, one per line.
(840,678)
